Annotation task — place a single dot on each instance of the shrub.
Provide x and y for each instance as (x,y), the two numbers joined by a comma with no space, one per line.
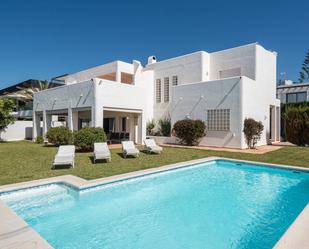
(253,131)
(87,136)
(150,126)
(39,140)
(59,136)
(190,131)
(296,123)
(165,127)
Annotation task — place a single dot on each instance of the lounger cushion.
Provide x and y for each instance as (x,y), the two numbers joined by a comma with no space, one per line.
(102,154)
(101,151)
(131,151)
(156,148)
(63,159)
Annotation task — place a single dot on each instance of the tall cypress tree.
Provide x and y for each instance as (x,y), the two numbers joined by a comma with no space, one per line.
(304,73)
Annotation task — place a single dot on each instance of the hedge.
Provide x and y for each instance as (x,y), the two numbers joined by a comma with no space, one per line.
(86,137)
(59,136)
(296,124)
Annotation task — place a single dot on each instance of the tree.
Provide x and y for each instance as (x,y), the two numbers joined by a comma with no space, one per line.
(304,74)
(6,108)
(296,122)
(253,131)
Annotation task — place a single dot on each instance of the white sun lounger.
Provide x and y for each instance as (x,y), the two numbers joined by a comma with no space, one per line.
(129,149)
(65,156)
(151,146)
(101,152)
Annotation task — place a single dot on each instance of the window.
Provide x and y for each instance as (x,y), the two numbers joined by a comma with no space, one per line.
(175,80)
(158,90)
(296,97)
(218,120)
(84,123)
(166,89)
(109,125)
(124,124)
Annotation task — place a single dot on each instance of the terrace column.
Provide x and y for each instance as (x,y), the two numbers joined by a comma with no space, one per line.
(140,131)
(36,131)
(70,119)
(97,116)
(135,122)
(278,128)
(97,107)
(273,124)
(75,120)
(46,122)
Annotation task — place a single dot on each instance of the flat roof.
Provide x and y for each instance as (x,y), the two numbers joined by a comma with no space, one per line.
(294,85)
(24,84)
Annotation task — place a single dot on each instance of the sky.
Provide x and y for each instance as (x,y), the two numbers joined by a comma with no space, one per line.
(41,39)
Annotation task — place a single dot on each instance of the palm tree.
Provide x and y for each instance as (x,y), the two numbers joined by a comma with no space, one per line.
(26,93)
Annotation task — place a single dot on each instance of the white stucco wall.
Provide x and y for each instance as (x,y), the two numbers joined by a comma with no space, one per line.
(144,79)
(74,95)
(188,68)
(93,72)
(240,57)
(95,96)
(256,91)
(118,95)
(124,97)
(260,94)
(20,130)
(193,100)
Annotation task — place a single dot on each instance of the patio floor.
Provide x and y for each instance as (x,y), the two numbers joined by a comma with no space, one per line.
(259,149)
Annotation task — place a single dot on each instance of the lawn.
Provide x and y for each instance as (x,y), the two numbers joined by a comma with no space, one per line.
(25,161)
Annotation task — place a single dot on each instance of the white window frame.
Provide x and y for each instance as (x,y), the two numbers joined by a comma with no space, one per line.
(175,80)
(158,91)
(166,81)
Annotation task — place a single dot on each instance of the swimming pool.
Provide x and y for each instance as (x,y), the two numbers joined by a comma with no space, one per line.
(217,204)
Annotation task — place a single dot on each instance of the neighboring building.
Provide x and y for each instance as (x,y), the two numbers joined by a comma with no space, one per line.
(221,88)
(291,92)
(22,128)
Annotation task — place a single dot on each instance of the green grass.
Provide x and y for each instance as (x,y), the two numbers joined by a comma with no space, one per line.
(24,161)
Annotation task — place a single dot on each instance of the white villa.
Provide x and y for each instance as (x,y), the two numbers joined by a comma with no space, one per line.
(291,92)
(222,88)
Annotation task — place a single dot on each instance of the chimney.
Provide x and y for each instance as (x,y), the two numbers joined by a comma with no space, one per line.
(288,82)
(152,59)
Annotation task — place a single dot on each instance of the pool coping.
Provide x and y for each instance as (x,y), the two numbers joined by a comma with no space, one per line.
(16,233)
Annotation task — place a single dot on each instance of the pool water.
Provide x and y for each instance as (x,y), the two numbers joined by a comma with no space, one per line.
(218,204)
